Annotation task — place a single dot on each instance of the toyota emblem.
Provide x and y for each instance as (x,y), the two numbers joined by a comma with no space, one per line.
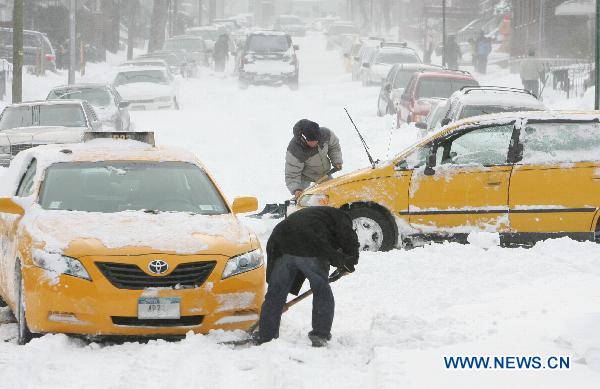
(158,266)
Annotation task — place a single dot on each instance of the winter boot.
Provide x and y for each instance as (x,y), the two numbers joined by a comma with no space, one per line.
(318,340)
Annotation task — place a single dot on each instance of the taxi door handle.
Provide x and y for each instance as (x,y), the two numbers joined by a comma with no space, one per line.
(494,183)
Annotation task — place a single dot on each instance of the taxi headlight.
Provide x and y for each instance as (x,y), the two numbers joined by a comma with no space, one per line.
(4,149)
(60,264)
(163,98)
(313,200)
(243,263)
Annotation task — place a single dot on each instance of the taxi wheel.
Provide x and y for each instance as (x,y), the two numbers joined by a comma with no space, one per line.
(23,333)
(375,232)
(2,303)
(597,233)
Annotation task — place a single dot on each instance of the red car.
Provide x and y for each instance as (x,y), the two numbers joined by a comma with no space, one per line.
(414,104)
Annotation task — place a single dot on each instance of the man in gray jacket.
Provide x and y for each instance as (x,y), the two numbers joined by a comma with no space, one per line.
(531,71)
(309,156)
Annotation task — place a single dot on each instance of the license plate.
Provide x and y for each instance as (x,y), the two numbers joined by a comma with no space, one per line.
(159,308)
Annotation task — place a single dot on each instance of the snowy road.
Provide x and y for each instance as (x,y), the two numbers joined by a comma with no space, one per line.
(396,317)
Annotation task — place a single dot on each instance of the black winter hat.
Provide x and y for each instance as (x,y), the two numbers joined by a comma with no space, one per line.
(308,128)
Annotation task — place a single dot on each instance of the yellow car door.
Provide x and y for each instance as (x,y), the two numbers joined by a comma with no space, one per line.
(465,185)
(555,186)
(9,224)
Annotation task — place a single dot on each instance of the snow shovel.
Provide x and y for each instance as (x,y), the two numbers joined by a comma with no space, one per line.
(336,275)
(278,211)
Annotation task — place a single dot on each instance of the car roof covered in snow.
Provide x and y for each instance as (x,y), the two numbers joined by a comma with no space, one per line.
(268,32)
(83,85)
(47,102)
(129,68)
(499,98)
(108,150)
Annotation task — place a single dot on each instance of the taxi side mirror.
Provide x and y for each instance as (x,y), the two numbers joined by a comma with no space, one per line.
(7,205)
(244,204)
(429,171)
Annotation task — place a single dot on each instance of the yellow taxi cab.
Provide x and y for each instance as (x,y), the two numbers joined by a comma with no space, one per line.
(526,175)
(118,237)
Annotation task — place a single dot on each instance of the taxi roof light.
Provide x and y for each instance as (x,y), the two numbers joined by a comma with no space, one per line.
(140,136)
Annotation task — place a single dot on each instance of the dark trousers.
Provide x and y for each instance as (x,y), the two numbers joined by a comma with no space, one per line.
(282,277)
(533,86)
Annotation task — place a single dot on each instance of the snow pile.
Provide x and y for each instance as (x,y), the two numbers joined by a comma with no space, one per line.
(484,240)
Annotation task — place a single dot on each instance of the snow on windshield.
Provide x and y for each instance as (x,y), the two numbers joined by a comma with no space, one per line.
(95,96)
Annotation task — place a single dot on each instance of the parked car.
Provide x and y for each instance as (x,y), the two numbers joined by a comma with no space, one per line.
(483,100)
(368,47)
(29,124)
(337,30)
(172,59)
(35,44)
(269,57)
(290,24)
(104,224)
(230,25)
(413,106)
(146,88)
(432,122)
(394,84)
(525,175)
(381,61)
(108,104)
(208,33)
(193,48)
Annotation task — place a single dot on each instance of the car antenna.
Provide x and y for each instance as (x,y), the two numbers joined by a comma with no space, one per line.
(373,162)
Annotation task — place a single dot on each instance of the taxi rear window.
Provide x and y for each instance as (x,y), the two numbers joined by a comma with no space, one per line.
(120,186)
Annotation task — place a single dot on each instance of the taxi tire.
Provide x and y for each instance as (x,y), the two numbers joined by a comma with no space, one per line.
(389,234)
(23,333)
(597,233)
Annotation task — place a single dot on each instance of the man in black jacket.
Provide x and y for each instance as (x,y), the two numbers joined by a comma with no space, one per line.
(304,246)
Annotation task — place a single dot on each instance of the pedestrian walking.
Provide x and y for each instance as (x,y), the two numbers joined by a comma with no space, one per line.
(453,53)
(484,48)
(301,247)
(221,52)
(310,155)
(531,70)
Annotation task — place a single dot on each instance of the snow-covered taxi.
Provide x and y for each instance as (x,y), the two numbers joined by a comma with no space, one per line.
(526,175)
(117,237)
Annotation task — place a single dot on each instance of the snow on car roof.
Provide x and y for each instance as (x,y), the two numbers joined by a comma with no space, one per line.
(47,102)
(499,98)
(137,69)
(83,85)
(92,151)
(268,32)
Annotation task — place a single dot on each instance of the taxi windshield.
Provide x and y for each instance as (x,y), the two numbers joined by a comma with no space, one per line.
(121,186)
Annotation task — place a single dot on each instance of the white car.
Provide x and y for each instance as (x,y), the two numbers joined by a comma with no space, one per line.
(146,88)
(108,104)
(34,123)
(381,62)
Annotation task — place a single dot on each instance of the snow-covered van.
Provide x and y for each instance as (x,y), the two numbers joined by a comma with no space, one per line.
(118,237)
(525,175)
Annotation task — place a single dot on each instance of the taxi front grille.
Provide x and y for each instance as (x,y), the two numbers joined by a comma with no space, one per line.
(129,276)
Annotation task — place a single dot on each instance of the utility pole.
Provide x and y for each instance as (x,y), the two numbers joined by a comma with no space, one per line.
(17,83)
(597,94)
(444,32)
(133,8)
(72,43)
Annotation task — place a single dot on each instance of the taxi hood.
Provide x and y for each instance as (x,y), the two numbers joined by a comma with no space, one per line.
(357,175)
(78,234)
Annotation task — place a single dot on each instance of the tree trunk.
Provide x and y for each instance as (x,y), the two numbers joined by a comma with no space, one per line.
(158,24)
(17,83)
(131,27)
